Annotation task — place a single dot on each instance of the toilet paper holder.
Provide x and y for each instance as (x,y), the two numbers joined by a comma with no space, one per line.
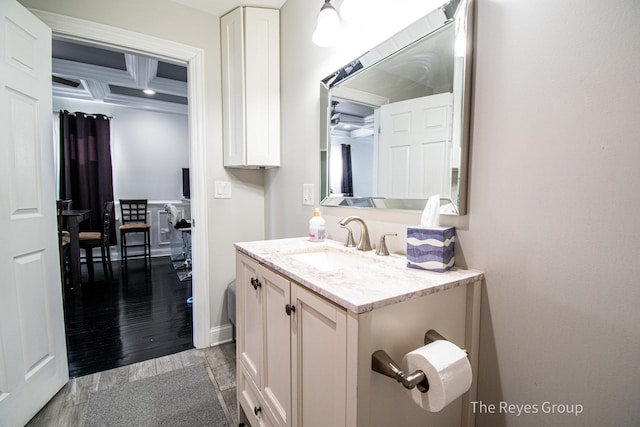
(383,364)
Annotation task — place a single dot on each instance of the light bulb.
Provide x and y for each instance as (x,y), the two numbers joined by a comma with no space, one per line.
(353,10)
(328,30)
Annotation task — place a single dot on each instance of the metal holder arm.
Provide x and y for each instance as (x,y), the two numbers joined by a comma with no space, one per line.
(382,363)
(432,335)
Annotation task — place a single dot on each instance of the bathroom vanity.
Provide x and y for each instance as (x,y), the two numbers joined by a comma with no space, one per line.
(309,317)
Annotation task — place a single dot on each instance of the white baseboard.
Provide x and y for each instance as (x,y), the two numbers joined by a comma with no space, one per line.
(221,334)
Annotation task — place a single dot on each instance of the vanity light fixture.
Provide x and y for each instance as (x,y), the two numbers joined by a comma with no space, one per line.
(328,30)
(149,91)
(352,10)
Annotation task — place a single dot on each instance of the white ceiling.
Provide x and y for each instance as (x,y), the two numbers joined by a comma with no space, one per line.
(221,7)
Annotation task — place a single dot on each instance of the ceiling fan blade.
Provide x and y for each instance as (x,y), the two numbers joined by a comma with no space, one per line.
(64,81)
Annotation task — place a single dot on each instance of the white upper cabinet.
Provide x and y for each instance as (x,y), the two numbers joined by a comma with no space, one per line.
(251,87)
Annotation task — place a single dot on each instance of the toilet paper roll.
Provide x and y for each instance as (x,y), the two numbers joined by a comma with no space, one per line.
(447,369)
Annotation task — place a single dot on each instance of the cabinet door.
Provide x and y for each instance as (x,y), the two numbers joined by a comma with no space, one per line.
(233,89)
(319,349)
(249,312)
(276,388)
(250,50)
(262,84)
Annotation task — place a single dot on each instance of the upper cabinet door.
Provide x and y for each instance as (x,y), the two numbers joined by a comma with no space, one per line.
(251,87)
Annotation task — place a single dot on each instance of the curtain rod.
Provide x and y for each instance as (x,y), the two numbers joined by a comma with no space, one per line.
(86,115)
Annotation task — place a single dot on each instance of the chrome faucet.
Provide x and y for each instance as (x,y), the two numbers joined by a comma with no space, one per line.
(364,244)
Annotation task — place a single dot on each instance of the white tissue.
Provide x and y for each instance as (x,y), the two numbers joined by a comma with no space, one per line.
(431,214)
(447,369)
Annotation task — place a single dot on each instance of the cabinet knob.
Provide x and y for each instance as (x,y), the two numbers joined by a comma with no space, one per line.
(257,410)
(255,283)
(289,308)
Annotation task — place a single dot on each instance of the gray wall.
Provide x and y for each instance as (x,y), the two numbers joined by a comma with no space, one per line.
(552,209)
(552,212)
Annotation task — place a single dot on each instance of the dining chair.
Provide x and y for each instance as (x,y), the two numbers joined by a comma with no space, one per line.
(64,205)
(67,204)
(99,239)
(134,220)
(63,241)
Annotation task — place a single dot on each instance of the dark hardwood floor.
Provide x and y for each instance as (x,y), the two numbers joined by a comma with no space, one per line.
(135,317)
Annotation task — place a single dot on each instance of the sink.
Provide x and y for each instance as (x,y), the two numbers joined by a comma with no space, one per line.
(327,258)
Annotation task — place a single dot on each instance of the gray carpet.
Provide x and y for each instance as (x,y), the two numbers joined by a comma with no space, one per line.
(184,397)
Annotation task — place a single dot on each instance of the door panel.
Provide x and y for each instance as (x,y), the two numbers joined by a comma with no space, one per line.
(414,147)
(277,361)
(249,317)
(33,359)
(320,364)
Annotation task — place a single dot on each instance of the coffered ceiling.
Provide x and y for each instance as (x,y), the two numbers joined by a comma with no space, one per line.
(91,73)
(88,72)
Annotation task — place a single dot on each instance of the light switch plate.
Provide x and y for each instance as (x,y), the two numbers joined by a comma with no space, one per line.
(307,194)
(222,190)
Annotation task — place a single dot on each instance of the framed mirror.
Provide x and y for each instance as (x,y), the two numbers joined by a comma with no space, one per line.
(395,121)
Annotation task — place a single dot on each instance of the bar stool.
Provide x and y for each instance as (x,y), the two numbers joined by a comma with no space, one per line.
(134,220)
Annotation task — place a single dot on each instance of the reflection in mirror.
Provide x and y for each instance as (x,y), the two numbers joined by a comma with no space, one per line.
(394,121)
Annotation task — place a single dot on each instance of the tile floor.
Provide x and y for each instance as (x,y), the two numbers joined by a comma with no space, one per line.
(68,407)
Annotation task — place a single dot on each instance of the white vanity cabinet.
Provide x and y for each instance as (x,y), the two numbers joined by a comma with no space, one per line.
(250,48)
(291,347)
(306,333)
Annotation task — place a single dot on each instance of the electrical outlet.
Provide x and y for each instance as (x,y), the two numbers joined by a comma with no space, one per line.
(307,194)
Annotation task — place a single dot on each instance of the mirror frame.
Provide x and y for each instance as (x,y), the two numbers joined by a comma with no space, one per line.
(412,34)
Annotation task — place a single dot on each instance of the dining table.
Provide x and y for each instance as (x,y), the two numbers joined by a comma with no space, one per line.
(72,219)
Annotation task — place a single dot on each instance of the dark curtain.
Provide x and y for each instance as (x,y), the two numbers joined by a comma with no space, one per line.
(86,175)
(347,180)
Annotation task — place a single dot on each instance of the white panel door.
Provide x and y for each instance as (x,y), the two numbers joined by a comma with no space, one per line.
(414,147)
(33,359)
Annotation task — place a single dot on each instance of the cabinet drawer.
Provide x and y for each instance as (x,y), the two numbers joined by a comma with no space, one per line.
(250,401)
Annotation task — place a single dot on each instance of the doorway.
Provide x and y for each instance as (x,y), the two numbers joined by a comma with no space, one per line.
(117,38)
(140,314)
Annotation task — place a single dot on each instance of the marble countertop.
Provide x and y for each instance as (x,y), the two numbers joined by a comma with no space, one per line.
(359,287)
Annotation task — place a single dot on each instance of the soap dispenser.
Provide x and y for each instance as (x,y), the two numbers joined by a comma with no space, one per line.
(316,227)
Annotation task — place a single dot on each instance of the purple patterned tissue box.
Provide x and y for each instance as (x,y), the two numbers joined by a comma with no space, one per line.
(431,248)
